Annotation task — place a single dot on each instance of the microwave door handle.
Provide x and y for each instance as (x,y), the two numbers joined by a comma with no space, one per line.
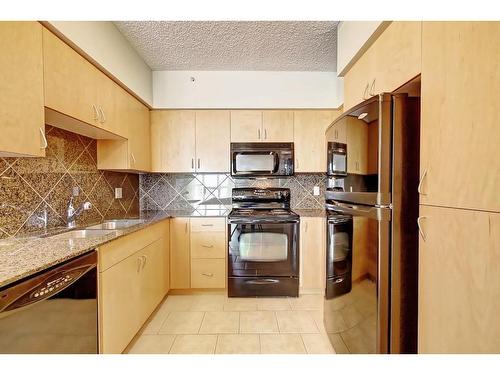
(276,162)
(378,213)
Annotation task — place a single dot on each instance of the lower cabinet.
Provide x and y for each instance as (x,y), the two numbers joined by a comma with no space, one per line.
(198,253)
(459,281)
(133,280)
(312,254)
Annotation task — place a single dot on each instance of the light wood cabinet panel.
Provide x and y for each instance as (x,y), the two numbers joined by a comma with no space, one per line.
(312,254)
(337,132)
(152,277)
(357,146)
(246,126)
(391,61)
(277,126)
(213,137)
(179,253)
(208,273)
(208,245)
(208,224)
(459,132)
(21,89)
(309,139)
(459,279)
(70,81)
(173,141)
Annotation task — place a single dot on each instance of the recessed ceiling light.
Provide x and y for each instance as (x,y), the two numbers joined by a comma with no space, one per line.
(362,116)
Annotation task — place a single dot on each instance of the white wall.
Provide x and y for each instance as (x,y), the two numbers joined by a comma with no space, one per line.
(246,89)
(353,38)
(102,41)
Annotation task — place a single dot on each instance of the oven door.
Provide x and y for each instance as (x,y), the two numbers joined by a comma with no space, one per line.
(265,249)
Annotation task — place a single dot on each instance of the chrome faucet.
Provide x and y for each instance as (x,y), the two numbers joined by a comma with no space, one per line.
(72,214)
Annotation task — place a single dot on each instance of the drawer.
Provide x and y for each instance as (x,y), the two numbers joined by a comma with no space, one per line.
(208,273)
(208,245)
(217,224)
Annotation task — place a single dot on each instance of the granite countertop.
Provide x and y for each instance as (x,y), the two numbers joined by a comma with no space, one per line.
(23,257)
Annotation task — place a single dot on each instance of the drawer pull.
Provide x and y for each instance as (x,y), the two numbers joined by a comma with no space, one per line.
(207,225)
(208,274)
(262,281)
(208,246)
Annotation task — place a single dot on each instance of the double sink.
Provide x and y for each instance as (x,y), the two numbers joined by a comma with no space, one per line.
(99,230)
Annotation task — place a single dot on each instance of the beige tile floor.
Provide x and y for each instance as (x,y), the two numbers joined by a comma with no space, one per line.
(208,324)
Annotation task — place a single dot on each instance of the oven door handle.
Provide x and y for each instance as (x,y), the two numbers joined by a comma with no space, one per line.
(262,281)
(378,213)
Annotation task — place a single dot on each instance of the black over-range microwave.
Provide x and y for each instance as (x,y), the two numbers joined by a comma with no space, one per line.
(262,159)
(337,159)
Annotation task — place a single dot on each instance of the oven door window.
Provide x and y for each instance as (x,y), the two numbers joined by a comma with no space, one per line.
(263,162)
(265,249)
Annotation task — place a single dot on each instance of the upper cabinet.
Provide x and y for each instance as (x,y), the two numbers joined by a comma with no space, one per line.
(262,126)
(190,141)
(309,139)
(459,157)
(357,146)
(337,133)
(392,60)
(22,125)
(76,88)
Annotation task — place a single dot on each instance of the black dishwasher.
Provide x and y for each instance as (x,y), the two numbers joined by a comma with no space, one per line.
(54,311)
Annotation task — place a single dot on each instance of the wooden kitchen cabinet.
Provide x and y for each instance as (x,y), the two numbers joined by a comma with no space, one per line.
(459,278)
(357,146)
(208,273)
(277,126)
(391,61)
(213,137)
(180,253)
(133,279)
(133,154)
(22,123)
(337,132)
(459,139)
(173,141)
(246,126)
(309,139)
(312,254)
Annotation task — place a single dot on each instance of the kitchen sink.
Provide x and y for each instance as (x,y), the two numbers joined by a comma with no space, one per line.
(116,224)
(84,233)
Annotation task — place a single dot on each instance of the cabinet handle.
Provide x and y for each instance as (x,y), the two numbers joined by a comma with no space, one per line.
(265,133)
(145,261)
(192,163)
(96,113)
(208,246)
(419,188)
(139,264)
(372,88)
(42,133)
(133,157)
(258,131)
(186,228)
(199,163)
(420,227)
(207,225)
(305,229)
(208,274)
(365,92)
(103,117)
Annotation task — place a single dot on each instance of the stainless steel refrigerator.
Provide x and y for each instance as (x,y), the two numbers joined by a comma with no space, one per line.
(371,294)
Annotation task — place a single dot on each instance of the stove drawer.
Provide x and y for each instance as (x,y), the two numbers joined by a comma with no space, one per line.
(208,245)
(263,286)
(208,273)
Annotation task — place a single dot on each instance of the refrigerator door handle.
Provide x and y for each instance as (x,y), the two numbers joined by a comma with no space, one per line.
(378,213)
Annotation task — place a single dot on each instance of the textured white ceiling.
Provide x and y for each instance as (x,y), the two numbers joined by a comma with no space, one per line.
(234,45)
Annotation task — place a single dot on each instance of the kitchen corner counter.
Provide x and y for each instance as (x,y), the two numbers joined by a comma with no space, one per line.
(311,213)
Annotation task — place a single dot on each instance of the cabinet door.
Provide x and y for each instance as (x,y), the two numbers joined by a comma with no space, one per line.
(459,281)
(309,139)
(337,132)
(179,253)
(358,78)
(213,138)
(398,55)
(120,293)
(21,87)
(357,146)
(277,126)
(152,277)
(246,126)
(139,136)
(459,115)
(173,141)
(70,81)
(208,273)
(208,245)
(312,254)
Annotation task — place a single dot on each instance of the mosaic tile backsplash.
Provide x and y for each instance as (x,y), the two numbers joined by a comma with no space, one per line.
(212,191)
(34,192)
